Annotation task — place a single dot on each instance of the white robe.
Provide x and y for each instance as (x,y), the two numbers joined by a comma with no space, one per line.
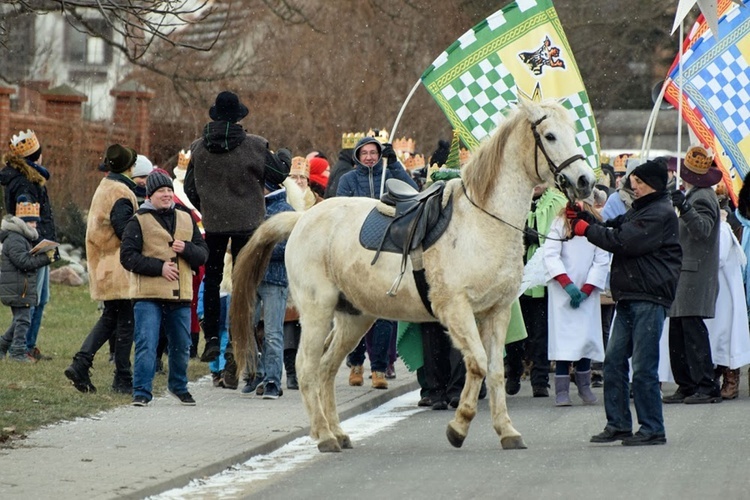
(728,331)
(574,333)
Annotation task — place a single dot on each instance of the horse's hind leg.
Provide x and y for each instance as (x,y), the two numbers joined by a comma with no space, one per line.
(348,329)
(493,331)
(315,321)
(459,319)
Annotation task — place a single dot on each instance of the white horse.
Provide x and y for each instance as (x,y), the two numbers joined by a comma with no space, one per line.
(473,270)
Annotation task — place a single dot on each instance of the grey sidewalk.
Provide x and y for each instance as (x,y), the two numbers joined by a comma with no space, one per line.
(135,452)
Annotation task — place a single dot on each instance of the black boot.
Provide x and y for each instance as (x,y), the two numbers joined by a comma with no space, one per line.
(78,372)
(290,356)
(194,338)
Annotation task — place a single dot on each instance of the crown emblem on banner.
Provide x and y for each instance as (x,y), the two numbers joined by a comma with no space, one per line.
(350,139)
(414,161)
(27,209)
(24,144)
(380,134)
(404,145)
(183,158)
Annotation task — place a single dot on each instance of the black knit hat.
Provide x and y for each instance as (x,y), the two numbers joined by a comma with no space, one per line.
(158,178)
(118,158)
(277,167)
(653,173)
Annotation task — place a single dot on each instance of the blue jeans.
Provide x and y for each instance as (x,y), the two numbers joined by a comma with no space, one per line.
(217,365)
(381,337)
(148,318)
(636,332)
(272,299)
(42,292)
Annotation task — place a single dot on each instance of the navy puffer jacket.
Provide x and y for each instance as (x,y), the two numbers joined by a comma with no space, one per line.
(365,181)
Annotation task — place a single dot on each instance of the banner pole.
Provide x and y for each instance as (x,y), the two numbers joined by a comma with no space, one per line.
(393,131)
(680,85)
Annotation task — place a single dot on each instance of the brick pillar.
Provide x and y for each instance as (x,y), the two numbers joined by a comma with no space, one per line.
(132,114)
(5,93)
(64,107)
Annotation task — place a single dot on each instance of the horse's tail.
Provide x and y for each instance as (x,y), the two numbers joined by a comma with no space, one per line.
(249,269)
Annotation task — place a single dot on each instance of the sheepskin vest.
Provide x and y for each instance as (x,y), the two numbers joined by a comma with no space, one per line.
(107,277)
(157,243)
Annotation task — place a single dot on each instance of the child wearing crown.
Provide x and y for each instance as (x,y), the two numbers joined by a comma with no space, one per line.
(18,275)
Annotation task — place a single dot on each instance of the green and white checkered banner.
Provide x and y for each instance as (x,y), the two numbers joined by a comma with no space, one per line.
(520,49)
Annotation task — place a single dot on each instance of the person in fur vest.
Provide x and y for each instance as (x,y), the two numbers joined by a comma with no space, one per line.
(162,247)
(18,276)
(23,175)
(113,204)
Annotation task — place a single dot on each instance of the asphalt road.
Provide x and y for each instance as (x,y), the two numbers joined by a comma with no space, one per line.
(706,457)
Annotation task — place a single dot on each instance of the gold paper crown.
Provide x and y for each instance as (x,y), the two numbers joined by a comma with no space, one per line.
(300,166)
(698,160)
(414,161)
(183,158)
(620,163)
(24,144)
(27,209)
(463,156)
(381,135)
(404,145)
(604,158)
(350,139)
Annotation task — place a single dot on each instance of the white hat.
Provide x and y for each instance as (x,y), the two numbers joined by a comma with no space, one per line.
(143,166)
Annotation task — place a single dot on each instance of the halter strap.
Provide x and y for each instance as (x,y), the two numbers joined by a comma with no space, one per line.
(555,169)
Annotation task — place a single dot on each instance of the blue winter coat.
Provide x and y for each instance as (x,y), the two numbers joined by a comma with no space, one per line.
(365,181)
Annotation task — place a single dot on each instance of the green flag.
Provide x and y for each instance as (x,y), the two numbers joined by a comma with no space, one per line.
(520,50)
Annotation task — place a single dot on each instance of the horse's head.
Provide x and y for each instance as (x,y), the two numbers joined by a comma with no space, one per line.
(556,157)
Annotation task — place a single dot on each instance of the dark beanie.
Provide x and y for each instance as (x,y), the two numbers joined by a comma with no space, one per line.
(277,167)
(158,178)
(653,173)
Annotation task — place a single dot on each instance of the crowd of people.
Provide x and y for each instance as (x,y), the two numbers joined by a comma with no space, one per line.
(643,279)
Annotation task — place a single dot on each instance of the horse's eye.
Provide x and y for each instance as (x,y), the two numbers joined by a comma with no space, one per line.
(550,136)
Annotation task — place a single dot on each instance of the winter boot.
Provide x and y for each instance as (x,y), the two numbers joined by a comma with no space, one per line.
(583,381)
(291,369)
(562,390)
(78,373)
(356,377)
(194,339)
(730,388)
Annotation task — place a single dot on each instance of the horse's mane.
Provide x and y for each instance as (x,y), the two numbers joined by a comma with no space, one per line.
(480,173)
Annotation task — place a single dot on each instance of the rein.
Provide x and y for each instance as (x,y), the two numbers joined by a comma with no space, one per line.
(534,231)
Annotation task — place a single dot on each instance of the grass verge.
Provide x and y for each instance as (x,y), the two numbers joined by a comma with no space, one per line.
(34,395)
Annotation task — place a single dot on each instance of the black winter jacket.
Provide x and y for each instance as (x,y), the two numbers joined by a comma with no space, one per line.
(646,251)
(19,177)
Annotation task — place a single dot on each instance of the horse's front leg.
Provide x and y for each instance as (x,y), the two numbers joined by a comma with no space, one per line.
(459,319)
(493,331)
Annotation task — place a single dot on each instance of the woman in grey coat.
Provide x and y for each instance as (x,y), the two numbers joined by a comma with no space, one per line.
(698,285)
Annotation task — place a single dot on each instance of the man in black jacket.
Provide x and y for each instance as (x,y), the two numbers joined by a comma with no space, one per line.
(646,259)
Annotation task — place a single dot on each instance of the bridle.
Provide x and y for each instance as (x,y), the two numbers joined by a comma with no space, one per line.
(560,181)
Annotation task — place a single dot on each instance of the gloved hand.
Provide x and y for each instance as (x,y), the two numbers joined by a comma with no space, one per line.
(680,202)
(576,295)
(579,226)
(530,237)
(572,210)
(389,154)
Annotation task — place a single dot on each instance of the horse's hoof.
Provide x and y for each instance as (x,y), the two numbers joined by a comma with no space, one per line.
(328,446)
(454,438)
(513,443)
(345,442)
